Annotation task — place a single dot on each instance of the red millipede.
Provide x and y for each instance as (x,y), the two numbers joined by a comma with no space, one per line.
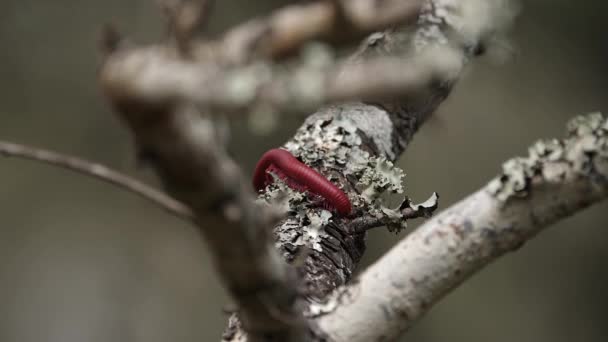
(300,177)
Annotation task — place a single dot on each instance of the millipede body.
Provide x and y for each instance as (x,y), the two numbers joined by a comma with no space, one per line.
(299,176)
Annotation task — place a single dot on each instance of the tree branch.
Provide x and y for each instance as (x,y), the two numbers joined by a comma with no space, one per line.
(100,172)
(354,144)
(161,94)
(184,18)
(557,179)
(287,29)
(153,75)
(185,148)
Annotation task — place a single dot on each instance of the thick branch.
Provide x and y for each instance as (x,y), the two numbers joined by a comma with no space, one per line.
(154,75)
(100,172)
(185,17)
(185,149)
(557,179)
(348,141)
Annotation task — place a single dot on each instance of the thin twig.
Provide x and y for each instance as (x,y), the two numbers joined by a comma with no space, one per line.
(185,18)
(98,171)
(365,223)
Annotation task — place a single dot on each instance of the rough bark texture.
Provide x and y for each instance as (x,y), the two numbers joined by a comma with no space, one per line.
(557,179)
(340,141)
(344,142)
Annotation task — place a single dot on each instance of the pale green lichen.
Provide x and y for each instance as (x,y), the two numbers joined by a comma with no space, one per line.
(306,226)
(590,124)
(427,207)
(314,233)
(381,188)
(584,152)
(331,142)
(305,229)
(281,196)
(395,219)
(379,177)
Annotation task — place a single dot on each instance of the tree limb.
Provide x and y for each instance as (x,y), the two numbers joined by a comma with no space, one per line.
(288,29)
(185,148)
(98,171)
(351,143)
(354,144)
(557,179)
(154,75)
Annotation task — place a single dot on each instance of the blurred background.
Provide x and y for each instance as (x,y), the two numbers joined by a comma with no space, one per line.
(84,261)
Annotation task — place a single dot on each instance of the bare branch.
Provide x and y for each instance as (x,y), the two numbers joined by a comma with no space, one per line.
(98,171)
(154,76)
(185,18)
(407,212)
(557,179)
(186,149)
(286,30)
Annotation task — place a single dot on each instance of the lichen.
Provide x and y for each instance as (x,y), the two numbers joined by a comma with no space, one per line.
(382,195)
(590,124)
(584,152)
(465,23)
(281,196)
(332,146)
(305,227)
(333,143)
(427,207)
(330,142)
(379,177)
(314,232)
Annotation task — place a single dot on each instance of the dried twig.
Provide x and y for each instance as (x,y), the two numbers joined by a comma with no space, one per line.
(98,171)
(410,211)
(185,17)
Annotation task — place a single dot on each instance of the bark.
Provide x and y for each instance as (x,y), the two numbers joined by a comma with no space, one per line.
(557,179)
(347,142)
(162,92)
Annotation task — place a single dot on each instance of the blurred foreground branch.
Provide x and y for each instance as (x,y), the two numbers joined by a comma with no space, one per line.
(286,30)
(154,76)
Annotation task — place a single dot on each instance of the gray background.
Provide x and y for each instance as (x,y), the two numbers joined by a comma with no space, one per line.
(83,261)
